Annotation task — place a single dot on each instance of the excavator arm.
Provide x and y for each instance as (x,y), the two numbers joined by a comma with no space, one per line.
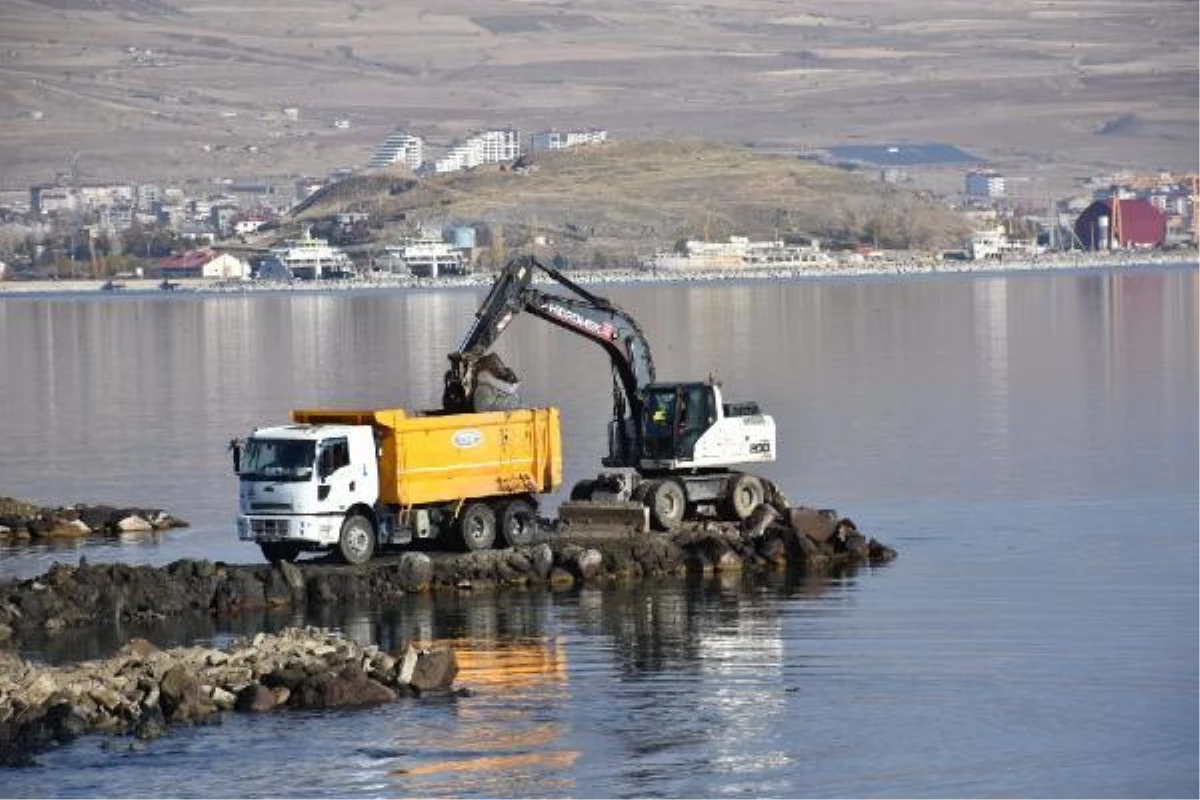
(583,314)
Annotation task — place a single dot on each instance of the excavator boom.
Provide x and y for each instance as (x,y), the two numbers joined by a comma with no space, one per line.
(585,314)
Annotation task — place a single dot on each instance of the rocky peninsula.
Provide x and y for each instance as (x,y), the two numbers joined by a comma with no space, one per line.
(141,690)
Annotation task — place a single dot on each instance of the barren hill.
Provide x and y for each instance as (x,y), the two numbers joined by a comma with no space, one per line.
(173,90)
(629,198)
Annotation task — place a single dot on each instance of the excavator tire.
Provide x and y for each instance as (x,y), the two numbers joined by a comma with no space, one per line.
(477,527)
(743,494)
(668,502)
(518,523)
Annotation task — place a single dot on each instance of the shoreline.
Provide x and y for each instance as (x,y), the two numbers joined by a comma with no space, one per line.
(142,287)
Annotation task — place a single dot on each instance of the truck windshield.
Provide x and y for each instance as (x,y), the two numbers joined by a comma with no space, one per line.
(278,459)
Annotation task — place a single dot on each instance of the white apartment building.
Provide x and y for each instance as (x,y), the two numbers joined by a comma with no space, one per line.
(495,146)
(559,140)
(400,148)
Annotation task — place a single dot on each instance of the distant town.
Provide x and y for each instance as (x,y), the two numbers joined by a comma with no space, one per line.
(70,229)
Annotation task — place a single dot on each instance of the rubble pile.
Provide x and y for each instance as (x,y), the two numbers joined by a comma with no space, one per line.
(141,691)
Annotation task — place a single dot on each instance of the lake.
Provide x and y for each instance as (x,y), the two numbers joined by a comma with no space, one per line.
(1028,443)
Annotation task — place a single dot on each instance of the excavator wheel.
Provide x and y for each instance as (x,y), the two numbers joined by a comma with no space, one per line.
(667,501)
(518,523)
(477,527)
(743,494)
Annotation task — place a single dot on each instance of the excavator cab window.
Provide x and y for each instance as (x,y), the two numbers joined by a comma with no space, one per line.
(696,414)
(676,416)
(660,423)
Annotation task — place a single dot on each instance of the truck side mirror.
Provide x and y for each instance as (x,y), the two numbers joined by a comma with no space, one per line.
(235,448)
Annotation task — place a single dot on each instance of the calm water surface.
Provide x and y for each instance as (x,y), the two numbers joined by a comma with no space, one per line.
(1029,444)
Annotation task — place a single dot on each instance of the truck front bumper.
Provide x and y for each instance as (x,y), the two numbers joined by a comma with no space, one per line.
(308,529)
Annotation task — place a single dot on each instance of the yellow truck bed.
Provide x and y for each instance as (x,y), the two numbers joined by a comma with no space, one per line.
(441,458)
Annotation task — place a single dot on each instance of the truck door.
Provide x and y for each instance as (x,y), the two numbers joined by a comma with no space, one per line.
(336,487)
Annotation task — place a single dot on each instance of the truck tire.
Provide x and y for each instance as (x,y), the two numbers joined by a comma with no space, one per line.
(518,523)
(477,527)
(356,544)
(743,494)
(667,501)
(275,552)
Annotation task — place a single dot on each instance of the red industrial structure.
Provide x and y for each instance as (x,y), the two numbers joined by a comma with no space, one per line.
(1129,223)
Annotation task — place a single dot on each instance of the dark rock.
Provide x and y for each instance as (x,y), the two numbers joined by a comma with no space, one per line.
(818,526)
(294,577)
(181,698)
(350,687)
(150,725)
(240,589)
(255,698)
(542,558)
(760,518)
(277,591)
(320,592)
(415,572)
(289,677)
(65,722)
(430,670)
(879,553)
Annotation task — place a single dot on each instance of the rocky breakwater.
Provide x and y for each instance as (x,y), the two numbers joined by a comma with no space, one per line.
(21,521)
(773,537)
(142,691)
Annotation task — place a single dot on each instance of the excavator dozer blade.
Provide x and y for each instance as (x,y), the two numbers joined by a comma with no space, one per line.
(599,517)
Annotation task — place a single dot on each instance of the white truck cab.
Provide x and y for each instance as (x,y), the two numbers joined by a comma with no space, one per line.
(297,483)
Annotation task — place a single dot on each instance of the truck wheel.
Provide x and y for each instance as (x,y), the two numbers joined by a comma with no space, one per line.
(276,552)
(743,494)
(667,502)
(583,490)
(518,523)
(477,527)
(356,545)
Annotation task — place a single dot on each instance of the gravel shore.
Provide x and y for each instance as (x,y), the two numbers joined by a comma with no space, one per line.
(844,268)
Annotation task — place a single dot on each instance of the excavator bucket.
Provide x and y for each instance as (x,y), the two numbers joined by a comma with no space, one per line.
(603,517)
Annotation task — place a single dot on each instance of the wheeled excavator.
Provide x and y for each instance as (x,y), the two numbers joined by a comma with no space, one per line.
(672,447)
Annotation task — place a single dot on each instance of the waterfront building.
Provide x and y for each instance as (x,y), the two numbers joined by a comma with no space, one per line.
(1121,223)
(206,263)
(560,140)
(740,253)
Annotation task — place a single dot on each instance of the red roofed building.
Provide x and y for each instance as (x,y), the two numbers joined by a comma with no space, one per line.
(206,263)
(1136,224)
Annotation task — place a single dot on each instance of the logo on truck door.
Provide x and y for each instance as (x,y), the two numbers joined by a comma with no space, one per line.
(466,438)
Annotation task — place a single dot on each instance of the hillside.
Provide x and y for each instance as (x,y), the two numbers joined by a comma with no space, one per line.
(627,199)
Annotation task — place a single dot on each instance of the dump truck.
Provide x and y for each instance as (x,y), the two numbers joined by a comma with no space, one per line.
(354,482)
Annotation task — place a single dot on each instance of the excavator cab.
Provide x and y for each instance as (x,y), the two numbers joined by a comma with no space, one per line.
(675,416)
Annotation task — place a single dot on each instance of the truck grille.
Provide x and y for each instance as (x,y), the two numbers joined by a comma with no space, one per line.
(269,528)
